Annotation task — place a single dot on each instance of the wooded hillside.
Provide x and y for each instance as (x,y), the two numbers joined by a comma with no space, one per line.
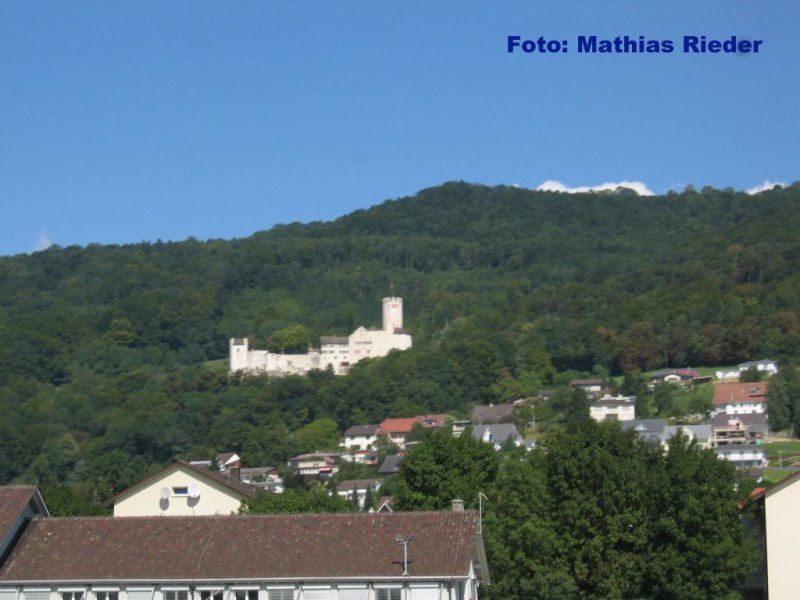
(102,349)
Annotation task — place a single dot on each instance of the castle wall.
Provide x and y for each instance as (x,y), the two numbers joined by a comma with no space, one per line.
(334,352)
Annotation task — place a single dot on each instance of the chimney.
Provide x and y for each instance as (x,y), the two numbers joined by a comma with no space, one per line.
(236,474)
(458,505)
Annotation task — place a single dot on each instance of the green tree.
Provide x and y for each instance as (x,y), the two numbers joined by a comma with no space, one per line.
(783,399)
(442,468)
(662,396)
(296,501)
(595,513)
(294,339)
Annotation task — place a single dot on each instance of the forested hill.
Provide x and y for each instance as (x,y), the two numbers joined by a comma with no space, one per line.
(102,348)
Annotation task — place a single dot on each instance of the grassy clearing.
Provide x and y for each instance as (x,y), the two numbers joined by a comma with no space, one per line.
(774,475)
(216,366)
(788,449)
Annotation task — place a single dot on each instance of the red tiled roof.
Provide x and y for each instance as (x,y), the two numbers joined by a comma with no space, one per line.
(398,425)
(255,547)
(754,391)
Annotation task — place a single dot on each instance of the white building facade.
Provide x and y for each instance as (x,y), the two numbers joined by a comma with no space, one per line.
(337,353)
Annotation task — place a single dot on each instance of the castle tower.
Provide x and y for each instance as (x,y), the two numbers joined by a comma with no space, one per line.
(392,314)
(238,354)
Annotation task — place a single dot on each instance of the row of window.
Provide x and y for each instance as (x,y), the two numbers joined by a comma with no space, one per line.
(378,592)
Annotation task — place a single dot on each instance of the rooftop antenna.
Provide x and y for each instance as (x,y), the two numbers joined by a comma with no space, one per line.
(481,497)
(405,541)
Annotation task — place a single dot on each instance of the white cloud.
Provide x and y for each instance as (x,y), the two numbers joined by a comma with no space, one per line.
(44,242)
(767,185)
(556,186)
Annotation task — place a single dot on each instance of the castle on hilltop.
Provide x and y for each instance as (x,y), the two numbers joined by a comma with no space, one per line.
(334,351)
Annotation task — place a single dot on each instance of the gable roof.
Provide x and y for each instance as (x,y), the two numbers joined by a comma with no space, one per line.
(255,547)
(18,504)
(732,393)
(404,425)
(358,484)
(500,432)
(359,430)
(237,487)
(493,412)
(391,464)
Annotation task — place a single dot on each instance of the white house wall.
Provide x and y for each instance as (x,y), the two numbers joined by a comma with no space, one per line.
(148,501)
(783,531)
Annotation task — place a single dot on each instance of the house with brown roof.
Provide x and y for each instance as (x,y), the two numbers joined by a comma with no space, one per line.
(740,398)
(360,437)
(344,556)
(493,413)
(18,505)
(184,489)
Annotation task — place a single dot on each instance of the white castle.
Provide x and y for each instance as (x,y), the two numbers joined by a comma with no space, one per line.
(335,352)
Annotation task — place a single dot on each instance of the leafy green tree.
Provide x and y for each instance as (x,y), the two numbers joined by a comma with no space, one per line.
(321,434)
(294,339)
(751,374)
(595,513)
(662,396)
(296,501)
(783,399)
(442,468)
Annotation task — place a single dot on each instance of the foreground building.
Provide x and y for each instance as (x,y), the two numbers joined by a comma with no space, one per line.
(338,353)
(350,556)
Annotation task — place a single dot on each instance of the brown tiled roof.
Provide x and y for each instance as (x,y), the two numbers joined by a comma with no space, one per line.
(256,547)
(362,430)
(13,501)
(754,391)
(484,414)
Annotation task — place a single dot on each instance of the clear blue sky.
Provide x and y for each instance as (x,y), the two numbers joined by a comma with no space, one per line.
(125,121)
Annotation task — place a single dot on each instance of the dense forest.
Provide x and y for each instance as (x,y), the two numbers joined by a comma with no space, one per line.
(112,357)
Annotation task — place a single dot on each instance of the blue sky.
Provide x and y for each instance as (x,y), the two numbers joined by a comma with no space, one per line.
(131,121)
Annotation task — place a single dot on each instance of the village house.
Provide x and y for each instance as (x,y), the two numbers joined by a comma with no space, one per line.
(316,464)
(592,387)
(184,489)
(345,556)
(493,413)
(613,408)
(778,528)
(683,377)
(498,434)
(357,489)
(360,437)
(740,398)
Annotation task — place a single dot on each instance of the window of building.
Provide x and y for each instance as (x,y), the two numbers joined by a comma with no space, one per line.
(176,595)
(8,594)
(352,593)
(388,593)
(36,594)
(180,491)
(106,595)
(316,593)
(281,594)
(211,594)
(246,594)
(424,592)
(72,594)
